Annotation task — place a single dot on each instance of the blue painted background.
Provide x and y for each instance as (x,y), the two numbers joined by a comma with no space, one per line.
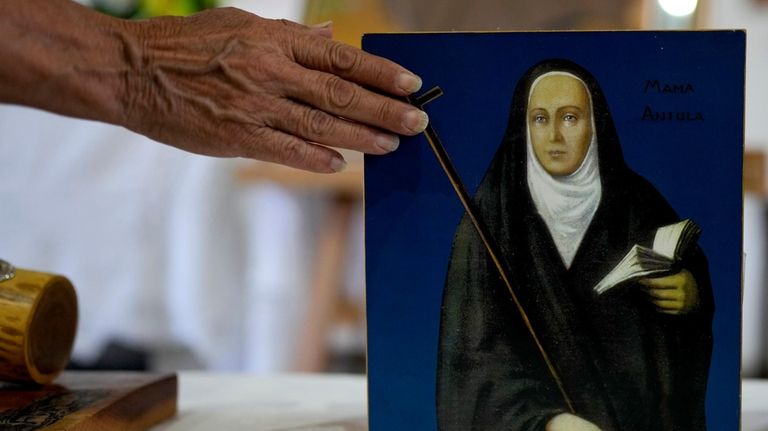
(412,213)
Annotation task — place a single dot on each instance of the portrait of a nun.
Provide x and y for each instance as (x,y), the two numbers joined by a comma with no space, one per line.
(564,208)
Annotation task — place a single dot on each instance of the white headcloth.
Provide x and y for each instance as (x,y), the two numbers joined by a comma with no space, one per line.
(566,203)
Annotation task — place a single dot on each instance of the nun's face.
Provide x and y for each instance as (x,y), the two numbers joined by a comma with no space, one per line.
(560,123)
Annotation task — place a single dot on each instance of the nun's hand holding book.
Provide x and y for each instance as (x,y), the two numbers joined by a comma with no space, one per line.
(673,294)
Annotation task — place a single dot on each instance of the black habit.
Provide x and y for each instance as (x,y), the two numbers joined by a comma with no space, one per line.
(625,365)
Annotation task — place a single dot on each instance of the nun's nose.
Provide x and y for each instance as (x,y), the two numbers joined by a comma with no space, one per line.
(554,133)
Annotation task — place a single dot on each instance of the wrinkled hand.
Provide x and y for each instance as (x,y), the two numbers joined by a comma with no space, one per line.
(228,83)
(673,294)
(569,422)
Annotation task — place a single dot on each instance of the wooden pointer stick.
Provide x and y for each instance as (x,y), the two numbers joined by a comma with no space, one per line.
(482,230)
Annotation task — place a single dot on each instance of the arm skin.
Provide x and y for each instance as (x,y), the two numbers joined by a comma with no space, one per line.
(222,83)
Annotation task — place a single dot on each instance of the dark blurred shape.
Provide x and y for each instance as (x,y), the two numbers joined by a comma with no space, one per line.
(515,15)
(116,355)
(347,363)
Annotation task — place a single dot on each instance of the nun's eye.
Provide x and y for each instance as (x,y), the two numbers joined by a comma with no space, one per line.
(570,118)
(539,119)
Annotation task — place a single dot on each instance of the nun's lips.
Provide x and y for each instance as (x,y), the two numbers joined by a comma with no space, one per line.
(556,154)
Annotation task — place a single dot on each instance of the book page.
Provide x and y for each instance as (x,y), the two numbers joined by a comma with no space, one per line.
(666,239)
(639,262)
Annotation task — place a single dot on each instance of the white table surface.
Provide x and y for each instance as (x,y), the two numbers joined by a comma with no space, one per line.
(319,402)
(754,405)
(295,402)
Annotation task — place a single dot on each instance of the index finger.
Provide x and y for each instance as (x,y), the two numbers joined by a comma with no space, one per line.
(665,282)
(355,65)
(661,293)
(655,283)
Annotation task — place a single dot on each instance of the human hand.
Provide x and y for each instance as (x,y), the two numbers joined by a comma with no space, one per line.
(569,422)
(673,294)
(228,83)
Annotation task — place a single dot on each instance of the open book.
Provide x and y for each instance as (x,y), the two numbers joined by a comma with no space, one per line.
(669,245)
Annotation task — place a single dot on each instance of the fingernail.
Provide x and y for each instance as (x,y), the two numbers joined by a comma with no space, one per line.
(325,24)
(409,82)
(338,164)
(416,121)
(388,142)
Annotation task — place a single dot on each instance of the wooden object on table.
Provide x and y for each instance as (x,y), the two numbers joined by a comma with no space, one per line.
(325,297)
(90,401)
(754,172)
(347,183)
(326,303)
(38,321)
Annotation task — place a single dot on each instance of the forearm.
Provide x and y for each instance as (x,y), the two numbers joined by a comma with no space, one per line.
(223,82)
(63,57)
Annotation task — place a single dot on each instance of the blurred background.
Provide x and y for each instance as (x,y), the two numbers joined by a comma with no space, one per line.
(186,262)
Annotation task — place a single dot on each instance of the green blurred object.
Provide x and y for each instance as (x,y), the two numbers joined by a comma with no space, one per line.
(139,9)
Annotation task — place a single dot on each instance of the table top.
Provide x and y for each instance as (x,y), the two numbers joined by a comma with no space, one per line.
(754,405)
(294,402)
(321,402)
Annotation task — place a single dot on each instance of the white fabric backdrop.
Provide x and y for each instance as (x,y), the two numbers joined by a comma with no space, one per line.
(164,248)
(754,360)
(753,16)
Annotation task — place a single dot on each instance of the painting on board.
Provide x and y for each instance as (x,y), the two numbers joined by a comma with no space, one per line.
(561,250)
